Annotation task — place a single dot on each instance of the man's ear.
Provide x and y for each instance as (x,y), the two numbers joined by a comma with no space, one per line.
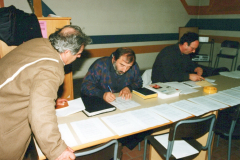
(113,59)
(65,54)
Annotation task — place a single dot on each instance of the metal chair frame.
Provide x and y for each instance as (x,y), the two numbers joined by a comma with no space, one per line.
(188,130)
(228,44)
(115,142)
(230,129)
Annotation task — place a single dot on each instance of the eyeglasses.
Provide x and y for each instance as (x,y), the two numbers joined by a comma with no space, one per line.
(193,48)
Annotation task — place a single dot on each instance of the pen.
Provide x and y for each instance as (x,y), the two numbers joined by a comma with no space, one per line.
(110,89)
(111,92)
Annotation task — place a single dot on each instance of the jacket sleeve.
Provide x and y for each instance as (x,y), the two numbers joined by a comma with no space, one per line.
(137,79)
(42,115)
(91,83)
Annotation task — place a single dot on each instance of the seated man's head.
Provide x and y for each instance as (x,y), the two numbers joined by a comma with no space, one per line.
(189,43)
(123,59)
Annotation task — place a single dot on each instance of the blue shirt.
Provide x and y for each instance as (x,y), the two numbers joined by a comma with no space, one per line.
(101,74)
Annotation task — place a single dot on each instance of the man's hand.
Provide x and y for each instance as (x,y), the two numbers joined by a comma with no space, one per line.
(125,93)
(199,71)
(109,97)
(61,101)
(195,77)
(67,155)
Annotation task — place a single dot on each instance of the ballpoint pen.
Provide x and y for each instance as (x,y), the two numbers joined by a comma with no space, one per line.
(110,89)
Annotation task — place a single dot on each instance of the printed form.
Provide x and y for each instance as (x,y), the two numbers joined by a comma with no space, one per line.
(124,104)
(147,118)
(170,112)
(190,107)
(231,92)
(91,130)
(122,123)
(210,103)
(224,98)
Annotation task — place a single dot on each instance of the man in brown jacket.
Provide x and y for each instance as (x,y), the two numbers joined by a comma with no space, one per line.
(30,77)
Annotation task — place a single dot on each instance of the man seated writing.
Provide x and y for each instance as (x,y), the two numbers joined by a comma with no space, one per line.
(173,63)
(108,75)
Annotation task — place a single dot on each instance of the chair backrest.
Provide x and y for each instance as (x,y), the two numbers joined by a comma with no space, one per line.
(146,77)
(230,44)
(192,129)
(236,114)
(88,152)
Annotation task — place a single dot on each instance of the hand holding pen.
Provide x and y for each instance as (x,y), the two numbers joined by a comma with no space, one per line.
(109,96)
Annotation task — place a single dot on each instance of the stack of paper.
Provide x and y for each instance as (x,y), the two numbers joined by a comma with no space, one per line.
(190,107)
(124,104)
(74,106)
(66,135)
(169,112)
(191,84)
(147,118)
(185,89)
(224,98)
(91,130)
(207,102)
(122,123)
(164,91)
(231,92)
(232,74)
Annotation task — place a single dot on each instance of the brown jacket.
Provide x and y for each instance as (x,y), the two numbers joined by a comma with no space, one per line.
(30,76)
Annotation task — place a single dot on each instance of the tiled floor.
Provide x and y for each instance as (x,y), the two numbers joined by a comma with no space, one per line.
(219,153)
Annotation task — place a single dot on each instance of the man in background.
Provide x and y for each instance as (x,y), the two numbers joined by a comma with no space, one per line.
(108,75)
(30,77)
(173,63)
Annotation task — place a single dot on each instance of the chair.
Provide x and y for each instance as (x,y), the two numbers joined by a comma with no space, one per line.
(238,68)
(100,148)
(228,125)
(146,77)
(188,130)
(224,52)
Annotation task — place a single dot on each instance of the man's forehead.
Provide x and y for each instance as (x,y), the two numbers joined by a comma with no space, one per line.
(124,60)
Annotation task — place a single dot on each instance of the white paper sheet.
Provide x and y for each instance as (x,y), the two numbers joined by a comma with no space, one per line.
(210,80)
(67,135)
(236,88)
(231,92)
(91,130)
(210,103)
(185,89)
(122,123)
(147,118)
(190,107)
(124,104)
(232,74)
(74,106)
(224,98)
(170,112)
(180,147)
(191,84)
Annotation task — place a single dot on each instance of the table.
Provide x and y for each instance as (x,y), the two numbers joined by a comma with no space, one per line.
(221,81)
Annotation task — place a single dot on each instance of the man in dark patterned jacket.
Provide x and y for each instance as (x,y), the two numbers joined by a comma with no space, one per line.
(108,75)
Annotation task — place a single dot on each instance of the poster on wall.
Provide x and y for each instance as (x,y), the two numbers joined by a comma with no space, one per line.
(43,26)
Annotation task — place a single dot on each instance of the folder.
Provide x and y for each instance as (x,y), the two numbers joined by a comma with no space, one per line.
(145,93)
(95,105)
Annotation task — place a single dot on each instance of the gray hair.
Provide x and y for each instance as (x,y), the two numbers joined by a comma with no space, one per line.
(71,41)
